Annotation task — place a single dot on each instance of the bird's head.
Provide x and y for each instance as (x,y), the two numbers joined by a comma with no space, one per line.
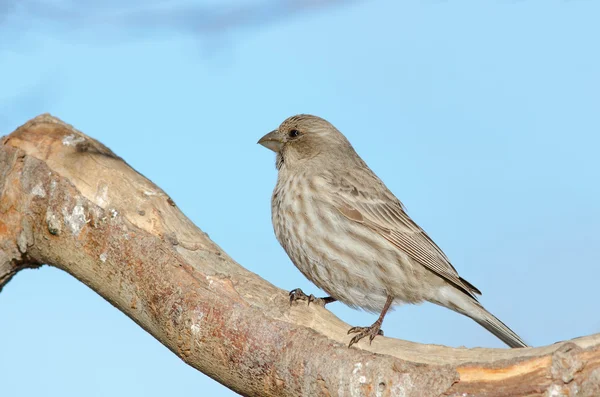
(303,137)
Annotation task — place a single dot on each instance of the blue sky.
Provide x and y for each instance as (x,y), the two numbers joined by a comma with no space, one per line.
(482,117)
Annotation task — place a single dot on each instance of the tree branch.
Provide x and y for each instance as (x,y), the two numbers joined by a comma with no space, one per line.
(68,201)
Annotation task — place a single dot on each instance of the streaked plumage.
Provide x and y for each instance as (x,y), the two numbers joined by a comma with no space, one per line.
(348,234)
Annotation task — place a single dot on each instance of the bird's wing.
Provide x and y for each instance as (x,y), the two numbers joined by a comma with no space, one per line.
(379,210)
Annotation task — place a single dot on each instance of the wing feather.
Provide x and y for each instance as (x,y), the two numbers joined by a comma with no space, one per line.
(384,214)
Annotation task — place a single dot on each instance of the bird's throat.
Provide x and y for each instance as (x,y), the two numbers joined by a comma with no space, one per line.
(279,161)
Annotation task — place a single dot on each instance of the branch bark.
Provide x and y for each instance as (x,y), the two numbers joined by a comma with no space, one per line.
(68,201)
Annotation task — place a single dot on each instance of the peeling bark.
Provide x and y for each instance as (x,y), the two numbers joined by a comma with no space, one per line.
(68,201)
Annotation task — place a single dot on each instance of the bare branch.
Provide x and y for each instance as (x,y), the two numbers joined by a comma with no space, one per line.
(68,201)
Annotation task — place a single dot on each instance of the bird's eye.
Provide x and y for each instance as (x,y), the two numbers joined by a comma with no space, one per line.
(294,133)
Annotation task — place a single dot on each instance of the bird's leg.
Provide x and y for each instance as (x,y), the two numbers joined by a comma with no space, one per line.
(374,329)
(298,295)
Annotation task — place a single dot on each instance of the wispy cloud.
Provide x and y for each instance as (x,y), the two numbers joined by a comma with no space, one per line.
(197,18)
(214,24)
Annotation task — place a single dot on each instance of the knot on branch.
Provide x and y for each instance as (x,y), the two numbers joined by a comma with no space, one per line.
(566,362)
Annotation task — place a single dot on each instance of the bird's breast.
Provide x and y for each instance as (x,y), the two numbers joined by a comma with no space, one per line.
(338,255)
(300,223)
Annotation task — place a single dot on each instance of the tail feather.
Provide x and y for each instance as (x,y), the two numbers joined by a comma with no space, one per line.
(498,328)
(464,304)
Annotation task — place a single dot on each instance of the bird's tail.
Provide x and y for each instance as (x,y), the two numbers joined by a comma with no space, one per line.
(461,303)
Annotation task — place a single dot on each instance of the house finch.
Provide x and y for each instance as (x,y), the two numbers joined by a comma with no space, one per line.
(348,234)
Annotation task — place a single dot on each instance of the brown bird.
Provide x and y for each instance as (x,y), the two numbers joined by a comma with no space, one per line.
(348,234)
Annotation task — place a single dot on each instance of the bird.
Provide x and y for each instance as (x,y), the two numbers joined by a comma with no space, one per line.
(349,234)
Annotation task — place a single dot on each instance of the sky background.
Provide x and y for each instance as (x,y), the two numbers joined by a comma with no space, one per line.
(482,117)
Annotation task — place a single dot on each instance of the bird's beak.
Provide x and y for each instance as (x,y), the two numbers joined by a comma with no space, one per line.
(271,141)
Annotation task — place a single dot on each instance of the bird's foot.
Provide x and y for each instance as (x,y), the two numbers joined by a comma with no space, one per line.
(361,332)
(299,295)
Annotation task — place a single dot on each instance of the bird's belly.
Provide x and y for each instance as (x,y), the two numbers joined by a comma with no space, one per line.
(346,259)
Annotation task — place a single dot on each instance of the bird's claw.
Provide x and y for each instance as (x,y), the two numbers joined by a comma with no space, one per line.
(299,295)
(362,332)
